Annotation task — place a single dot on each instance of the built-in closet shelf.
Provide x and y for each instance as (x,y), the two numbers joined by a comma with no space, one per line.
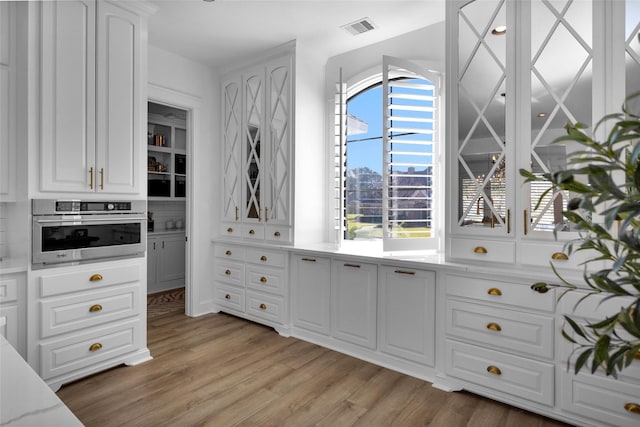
(164,233)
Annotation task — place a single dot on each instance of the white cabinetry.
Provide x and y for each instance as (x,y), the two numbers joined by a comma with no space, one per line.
(9,291)
(86,319)
(93,102)
(507,101)
(8,143)
(252,282)
(406,313)
(165,262)
(354,295)
(310,293)
(257,135)
(599,399)
(500,338)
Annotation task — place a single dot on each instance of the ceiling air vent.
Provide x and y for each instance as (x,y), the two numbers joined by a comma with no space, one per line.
(360,26)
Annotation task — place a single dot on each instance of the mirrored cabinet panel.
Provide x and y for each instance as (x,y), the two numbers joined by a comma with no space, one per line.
(482,74)
(561,93)
(254,113)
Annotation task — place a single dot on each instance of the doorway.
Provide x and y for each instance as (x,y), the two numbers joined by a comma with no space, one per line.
(168,136)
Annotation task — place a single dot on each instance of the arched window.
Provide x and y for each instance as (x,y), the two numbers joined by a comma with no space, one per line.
(387,159)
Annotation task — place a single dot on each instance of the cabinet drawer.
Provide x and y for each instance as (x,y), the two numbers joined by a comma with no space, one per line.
(265,307)
(500,292)
(69,314)
(230,273)
(230,297)
(235,253)
(482,250)
(8,290)
(265,257)
(510,330)
(606,400)
(277,234)
(504,373)
(80,351)
(230,229)
(253,232)
(265,279)
(9,324)
(544,253)
(89,278)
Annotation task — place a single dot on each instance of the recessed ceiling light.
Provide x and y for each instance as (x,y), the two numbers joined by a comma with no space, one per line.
(499,30)
(541,115)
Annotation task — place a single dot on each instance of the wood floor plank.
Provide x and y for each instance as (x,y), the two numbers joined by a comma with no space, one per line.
(219,370)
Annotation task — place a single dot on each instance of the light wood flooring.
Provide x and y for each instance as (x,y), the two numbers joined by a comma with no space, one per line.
(219,370)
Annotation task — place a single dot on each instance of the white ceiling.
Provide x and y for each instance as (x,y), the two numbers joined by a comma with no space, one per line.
(224,32)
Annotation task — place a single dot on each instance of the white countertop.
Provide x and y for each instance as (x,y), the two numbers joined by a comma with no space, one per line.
(25,399)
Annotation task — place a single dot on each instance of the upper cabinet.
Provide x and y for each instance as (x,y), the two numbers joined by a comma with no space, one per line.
(93,100)
(257,123)
(519,72)
(7,102)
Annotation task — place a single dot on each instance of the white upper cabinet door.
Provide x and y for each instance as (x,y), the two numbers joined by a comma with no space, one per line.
(119,122)
(68,96)
(91,120)
(7,102)
(231,149)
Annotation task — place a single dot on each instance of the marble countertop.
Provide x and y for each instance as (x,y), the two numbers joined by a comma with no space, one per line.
(25,399)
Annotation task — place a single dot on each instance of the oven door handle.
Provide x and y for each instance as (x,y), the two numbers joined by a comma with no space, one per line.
(85,221)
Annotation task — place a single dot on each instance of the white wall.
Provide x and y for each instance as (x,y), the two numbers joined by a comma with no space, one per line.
(188,82)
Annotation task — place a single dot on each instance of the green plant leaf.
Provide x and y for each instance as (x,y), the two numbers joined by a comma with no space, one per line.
(582,359)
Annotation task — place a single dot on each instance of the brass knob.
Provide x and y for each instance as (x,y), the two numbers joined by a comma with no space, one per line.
(494,327)
(95,346)
(263,279)
(227,296)
(252,232)
(494,291)
(229,230)
(263,258)
(95,308)
(480,250)
(634,408)
(494,370)
(559,256)
(263,306)
(228,253)
(227,272)
(276,234)
(95,278)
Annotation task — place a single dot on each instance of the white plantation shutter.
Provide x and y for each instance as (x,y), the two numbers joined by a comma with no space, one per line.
(339,162)
(410,135)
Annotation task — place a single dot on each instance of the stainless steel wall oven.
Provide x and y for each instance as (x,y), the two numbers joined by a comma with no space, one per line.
(75,231)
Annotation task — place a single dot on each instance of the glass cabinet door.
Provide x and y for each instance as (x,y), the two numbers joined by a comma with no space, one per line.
(561,68)
(252,136)
(277,206)
(231,151)
(482,140)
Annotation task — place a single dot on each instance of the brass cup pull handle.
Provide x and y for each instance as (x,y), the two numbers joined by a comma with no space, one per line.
(276,234)
(95,346)
(227,272)
(229,230)
(480,250)
(228,253)
(95,308)
(227,296)
(494,370)
(494,291)
(263,306)
(263,279)
(252,232)
(263,258)
(634,408)
(95,278)
(559,256)
(494,327)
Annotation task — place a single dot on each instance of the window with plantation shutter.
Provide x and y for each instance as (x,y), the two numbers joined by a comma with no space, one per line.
(386,167)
